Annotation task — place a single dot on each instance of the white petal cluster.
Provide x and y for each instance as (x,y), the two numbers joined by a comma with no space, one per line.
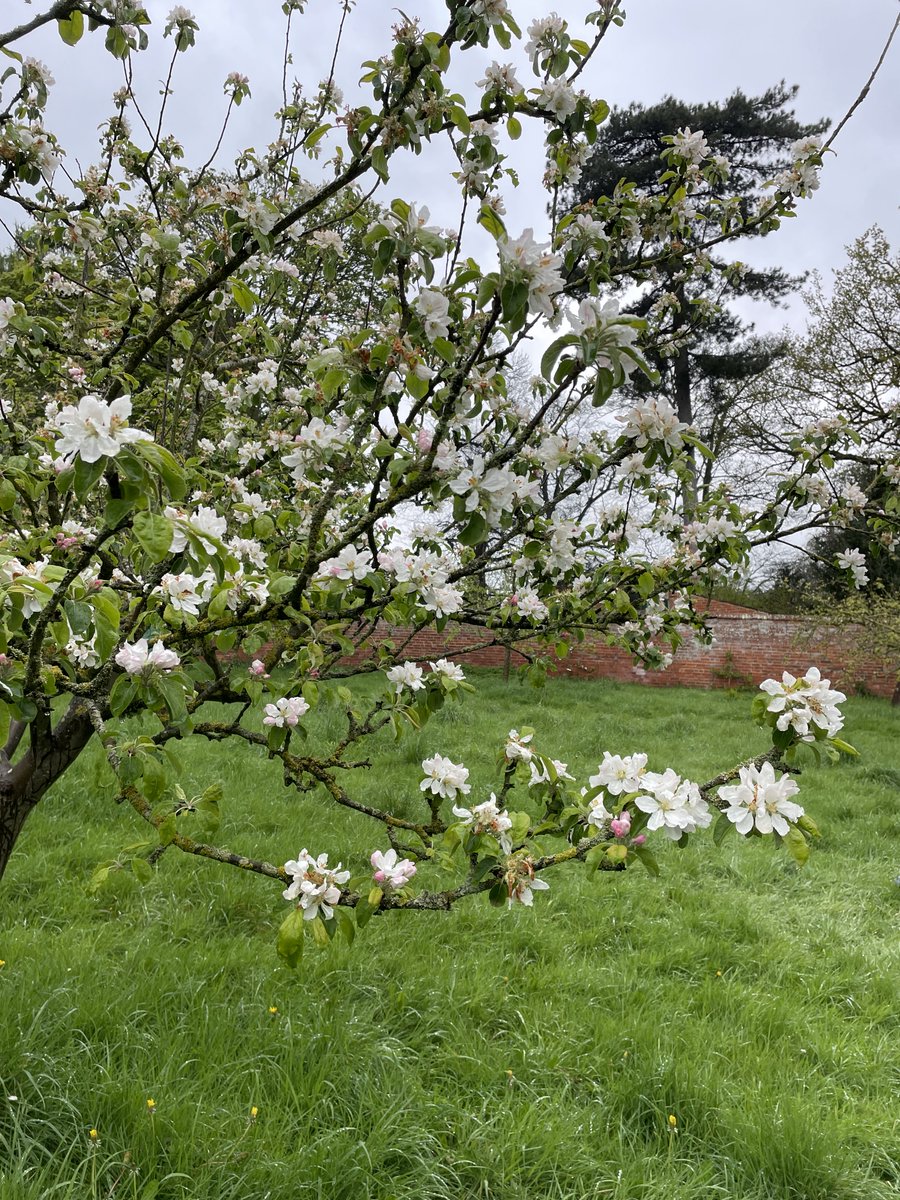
(675,805)
(316,885)
(803,702)
(286,711)
(527,603)
(138,656)
(350,563)
(434,309)
(691,146)
(541,773)
(203,520)
(406,675)
(653,421)
(522,883)
(444,778)
(558,97)
(448,669)
(761,801)
(389,871)
(185,592)
(488,818)
(491,490)
(535,264)
(854,561)
(93,428)
(620,774)
(517,748)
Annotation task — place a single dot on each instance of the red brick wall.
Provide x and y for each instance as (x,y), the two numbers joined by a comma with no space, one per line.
(748,646)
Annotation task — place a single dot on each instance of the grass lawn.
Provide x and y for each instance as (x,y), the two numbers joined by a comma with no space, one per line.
(500,1055)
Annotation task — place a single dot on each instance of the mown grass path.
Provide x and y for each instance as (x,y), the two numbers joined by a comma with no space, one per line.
(491,1054)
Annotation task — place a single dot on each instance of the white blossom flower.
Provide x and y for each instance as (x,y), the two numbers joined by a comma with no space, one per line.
(448,669)
(316,885)
(620,775)
(653,421)
(444,778)
(541,774)
(389,871)
(434,309)
(181,592)
(521,882)
(406,675)
(762,802)
(286,711)
(487,818)
(534,264)
(855,562)
(558,97)
(204,520)
(691,146)
(517,748)
(350,563)
(675,805)
(501,77)
(802,702)
(597,814)
(138,656)
(93,428)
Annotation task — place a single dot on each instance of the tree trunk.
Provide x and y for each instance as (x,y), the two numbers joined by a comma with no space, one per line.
(24,783)
(681,381)
(895,699)
(14,810)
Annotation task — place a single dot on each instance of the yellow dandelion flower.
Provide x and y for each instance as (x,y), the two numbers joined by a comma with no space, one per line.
(254,1113)
(151,1106)
(673,1121)
(95,1136)
(273,1009)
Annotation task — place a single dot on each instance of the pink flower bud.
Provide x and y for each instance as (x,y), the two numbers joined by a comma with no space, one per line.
(621,825)
(639,840)
(425,440)
(378,876)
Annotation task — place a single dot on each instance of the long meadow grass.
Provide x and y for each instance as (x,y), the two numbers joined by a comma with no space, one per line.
(730,1029)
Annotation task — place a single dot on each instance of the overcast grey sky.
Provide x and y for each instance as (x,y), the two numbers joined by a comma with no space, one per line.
(695,49)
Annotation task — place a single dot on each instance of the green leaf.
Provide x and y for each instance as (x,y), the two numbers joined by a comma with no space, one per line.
(379,162)
(141,870)
(319,932)
(498,895)
(289,942)
(154,532)
(71,29)
(721,829)
(123,693)
(167,830)
(8,495)
(490,221)
(476,531)
(346,926)
(166,464)
(647,860)
(208,806)
(243,297)
(844,747)
(797,845)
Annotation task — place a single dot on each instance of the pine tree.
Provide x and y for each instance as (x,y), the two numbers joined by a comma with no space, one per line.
(712,348)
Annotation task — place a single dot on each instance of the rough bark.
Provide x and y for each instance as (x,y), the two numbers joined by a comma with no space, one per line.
(24,782)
